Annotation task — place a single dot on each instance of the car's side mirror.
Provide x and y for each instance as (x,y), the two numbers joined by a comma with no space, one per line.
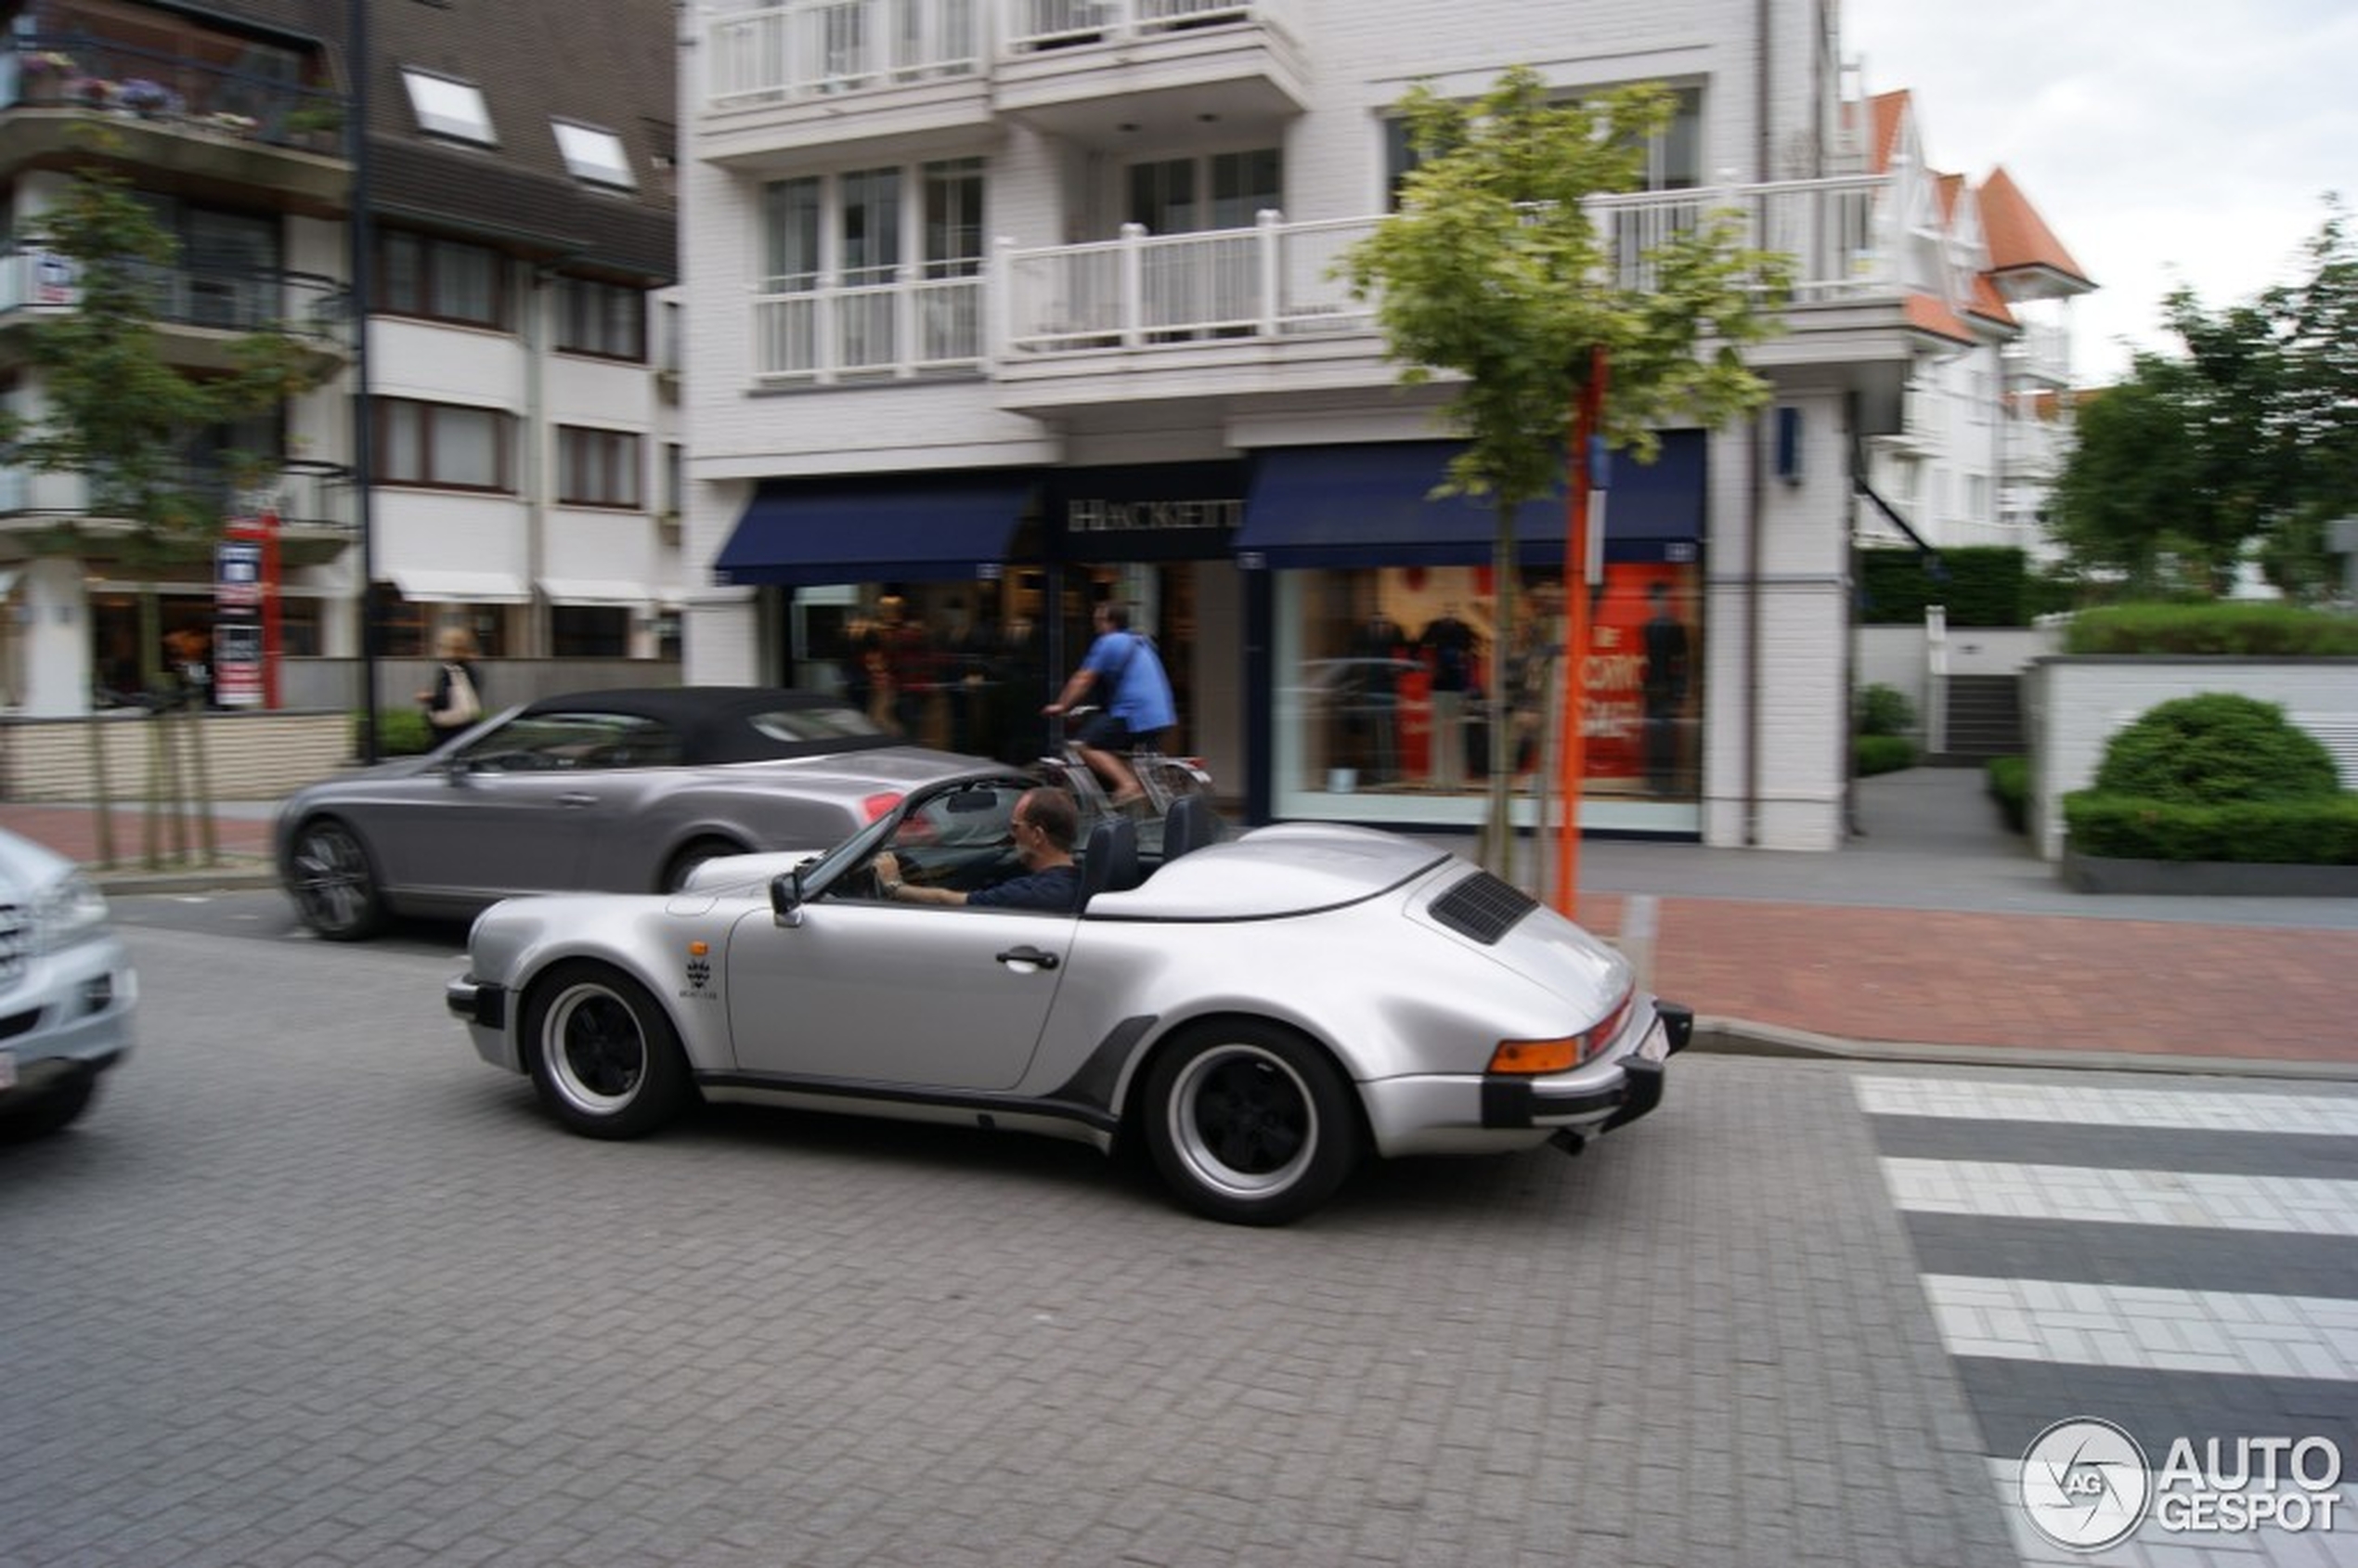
(785,899)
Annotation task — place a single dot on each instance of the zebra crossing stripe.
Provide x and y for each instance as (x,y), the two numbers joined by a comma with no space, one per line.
(2307,1206)
(2138,1327)
(2080,1104)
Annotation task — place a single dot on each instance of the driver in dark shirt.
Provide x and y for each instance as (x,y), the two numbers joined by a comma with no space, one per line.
(1044,824)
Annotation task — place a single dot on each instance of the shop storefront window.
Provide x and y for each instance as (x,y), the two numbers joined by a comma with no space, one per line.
(1384,678)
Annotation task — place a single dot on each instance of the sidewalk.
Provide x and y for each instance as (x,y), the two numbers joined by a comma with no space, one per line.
(1934,935)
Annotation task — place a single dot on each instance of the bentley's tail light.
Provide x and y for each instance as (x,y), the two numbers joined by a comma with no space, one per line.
(875,806)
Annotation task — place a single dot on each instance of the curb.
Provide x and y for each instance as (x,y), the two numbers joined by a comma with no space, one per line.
(235,873)
(1742,1037)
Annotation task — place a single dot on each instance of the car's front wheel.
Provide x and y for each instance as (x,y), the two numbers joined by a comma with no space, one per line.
(1250,1123)
(55,1108)
(332,882)
(603,1054)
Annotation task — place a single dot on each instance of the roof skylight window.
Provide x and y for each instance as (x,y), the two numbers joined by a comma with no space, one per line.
(594,155)
(449,108)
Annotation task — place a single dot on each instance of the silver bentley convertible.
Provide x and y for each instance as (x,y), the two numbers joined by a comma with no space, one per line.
(622,790)
(1254,1012)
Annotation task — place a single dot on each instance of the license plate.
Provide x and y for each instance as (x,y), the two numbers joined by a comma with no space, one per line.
(8,1070)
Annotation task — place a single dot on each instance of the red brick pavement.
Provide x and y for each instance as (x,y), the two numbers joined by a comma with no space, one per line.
(1944,978)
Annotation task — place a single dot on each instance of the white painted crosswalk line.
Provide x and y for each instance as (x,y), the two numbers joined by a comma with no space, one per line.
(2107,1106)
(2308,1206)
(2145,1328)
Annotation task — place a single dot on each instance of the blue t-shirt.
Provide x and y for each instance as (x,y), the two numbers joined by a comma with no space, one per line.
(1056,889)
(1141,692)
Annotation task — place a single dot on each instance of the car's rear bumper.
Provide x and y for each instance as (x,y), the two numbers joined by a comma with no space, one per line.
(1497,1112)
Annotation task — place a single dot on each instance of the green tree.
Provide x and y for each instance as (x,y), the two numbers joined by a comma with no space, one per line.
(2243,440)
(1497,269)
(118,414)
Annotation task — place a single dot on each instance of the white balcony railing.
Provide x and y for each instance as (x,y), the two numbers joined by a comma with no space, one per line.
(816,48)
(1032,25)
(1274,283)
(817,330)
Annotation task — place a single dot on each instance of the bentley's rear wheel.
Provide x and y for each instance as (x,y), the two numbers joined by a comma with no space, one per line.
(1250,1123)
(605,1057)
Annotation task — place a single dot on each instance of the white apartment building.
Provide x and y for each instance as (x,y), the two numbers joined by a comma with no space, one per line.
(522,476)
(999,308)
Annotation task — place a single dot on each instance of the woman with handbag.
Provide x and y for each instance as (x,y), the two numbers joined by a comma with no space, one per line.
(455,702)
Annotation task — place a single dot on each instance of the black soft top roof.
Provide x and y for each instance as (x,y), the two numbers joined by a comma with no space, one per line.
(716,723)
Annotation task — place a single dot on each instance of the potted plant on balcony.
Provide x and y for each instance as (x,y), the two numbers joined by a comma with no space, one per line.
(143,98)
(46,73)
(317,117)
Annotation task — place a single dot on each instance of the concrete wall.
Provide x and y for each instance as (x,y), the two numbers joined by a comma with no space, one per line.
(2072,705)
(247,756)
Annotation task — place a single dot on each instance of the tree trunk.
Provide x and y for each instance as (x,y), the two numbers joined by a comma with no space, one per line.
(1498,841)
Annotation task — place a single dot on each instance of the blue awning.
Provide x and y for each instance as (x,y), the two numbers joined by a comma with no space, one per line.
(1368,506)
(803,532)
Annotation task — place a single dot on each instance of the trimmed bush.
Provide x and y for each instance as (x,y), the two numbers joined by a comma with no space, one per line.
(401,731)
(2216,749)
(2319,832)
(2243,631)
(1883,754)
(1884,710)
(2009,784)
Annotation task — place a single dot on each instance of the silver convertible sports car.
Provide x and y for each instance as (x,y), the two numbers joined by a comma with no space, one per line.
(1255,1013)
(624,790)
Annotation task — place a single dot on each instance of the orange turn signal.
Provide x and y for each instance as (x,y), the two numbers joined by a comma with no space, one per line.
(1564,1053)
(1537,1055)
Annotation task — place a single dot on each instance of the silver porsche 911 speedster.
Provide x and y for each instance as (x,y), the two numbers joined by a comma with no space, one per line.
(1256,1012)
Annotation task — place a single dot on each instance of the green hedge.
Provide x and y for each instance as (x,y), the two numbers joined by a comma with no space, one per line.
(1883,754)
(401,731)
(2322,831)
(2009,784)
(2248,630)
(1984,585)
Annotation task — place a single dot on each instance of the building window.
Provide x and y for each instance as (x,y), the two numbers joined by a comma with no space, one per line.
(606,319)
(1674,156)
(675,478)
(440,281)
(590,631)
(594,155)
(445,444)
(597,466)
(953,218)
(1222,190)
(447,107)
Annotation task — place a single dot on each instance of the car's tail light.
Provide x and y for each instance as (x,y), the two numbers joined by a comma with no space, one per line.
(1564,1052)
(875,806)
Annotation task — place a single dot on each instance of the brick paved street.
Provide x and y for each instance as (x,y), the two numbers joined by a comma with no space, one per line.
(329,1291)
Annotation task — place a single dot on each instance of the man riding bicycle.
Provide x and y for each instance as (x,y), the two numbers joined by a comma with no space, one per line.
(1134,701)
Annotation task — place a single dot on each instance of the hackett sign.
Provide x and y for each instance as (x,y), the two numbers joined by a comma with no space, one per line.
(1141,517)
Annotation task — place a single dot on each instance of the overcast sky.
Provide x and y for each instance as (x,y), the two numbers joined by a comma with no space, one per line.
(2164,141)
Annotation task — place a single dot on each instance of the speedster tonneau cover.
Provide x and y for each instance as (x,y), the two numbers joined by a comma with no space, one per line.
(1291,869)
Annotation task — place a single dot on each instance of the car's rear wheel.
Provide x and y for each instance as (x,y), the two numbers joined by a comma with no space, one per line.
(694,854)
(1250,1123)
(603,1054)
(333,881)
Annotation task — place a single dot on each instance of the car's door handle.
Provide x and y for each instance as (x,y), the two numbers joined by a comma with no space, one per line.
(576,800)
(1029,956)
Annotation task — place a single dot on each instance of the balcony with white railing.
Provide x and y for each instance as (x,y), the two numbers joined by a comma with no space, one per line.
(823,48)
(922,64)
(1053,322)
(821,330)
(2041,356)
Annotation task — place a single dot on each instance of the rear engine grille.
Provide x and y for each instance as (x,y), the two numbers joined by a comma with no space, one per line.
(1483,908)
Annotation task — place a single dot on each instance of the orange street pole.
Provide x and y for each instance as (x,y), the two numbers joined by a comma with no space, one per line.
(1587,415)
